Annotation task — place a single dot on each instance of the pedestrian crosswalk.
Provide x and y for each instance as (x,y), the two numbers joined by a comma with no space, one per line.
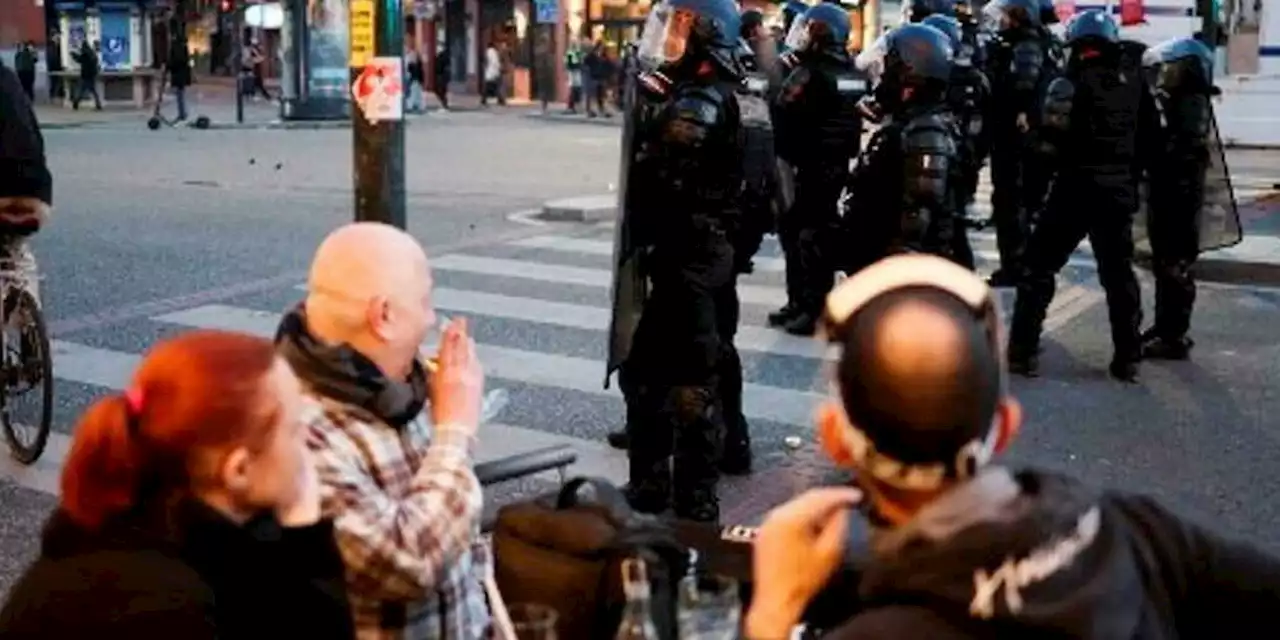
(539,311)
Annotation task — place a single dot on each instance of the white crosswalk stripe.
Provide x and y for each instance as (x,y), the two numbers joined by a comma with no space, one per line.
(532,287)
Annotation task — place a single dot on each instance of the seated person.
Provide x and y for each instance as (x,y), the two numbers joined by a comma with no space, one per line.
(963,548)
(190,509)
(402,488)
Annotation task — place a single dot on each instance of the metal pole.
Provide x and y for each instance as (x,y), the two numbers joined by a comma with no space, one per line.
(378,147)
(237,58)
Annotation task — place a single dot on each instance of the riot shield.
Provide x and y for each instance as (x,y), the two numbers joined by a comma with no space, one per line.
(1219,217)
(1219,220)
(630,286)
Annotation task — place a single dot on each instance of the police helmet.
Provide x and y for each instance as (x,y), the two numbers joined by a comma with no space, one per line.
(823,26)
(1048,13)
(678,28)
(1092,25)
(948,26)
(1180,64)
(1024,13)
(918,10)
(918,53)
(1181,50)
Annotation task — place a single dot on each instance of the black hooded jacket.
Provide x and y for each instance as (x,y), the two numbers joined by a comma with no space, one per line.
(1037,555)
(23,171)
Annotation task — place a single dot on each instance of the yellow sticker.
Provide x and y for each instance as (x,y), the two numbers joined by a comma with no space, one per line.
(362,26)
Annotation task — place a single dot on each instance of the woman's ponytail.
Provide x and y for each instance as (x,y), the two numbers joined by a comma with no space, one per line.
(101,476)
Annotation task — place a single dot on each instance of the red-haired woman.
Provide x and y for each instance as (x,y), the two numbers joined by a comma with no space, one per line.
(189,510)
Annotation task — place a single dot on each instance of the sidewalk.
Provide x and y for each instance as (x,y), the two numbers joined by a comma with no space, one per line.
(1256,260)
(214,98)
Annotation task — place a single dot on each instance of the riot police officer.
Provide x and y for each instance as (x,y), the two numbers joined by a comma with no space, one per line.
(819,132)
(968,95)
(903,187)
(1052,43)
(973,42)
(1019,66)
(687,157)
(1099,150)
(757,55)
(1183,74)
(916,11)
(759,61)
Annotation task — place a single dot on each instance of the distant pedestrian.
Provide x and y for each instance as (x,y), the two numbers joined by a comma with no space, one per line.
(573,59)
(24,63)
(253,68)
(492,76)
(415,100)
(90,66)
(53,65)
(440,81)
(599,73)
(179,69)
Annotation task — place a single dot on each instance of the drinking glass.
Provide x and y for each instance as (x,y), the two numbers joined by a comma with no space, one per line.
(494,401)
(708,608)
(533,621)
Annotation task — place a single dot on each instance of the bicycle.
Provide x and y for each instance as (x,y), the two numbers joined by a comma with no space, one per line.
(26,362)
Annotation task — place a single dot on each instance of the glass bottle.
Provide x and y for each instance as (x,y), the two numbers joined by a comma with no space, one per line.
(637,618)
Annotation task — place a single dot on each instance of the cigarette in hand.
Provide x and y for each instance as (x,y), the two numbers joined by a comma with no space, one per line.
(431,364)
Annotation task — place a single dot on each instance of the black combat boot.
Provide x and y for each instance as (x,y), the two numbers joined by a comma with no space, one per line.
(1024,362)
(802,324)
(698,505)
(650,488)
(1124,369)
(784,315)
(1157,347)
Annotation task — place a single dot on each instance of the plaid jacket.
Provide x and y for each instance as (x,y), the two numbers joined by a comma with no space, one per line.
(406,508)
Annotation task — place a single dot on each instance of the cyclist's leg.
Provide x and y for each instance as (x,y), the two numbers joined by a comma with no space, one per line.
(16,253)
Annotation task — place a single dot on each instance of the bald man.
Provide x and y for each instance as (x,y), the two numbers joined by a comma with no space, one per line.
(961,547)
(399,485)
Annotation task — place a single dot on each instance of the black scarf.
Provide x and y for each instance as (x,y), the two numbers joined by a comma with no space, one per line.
(341,373)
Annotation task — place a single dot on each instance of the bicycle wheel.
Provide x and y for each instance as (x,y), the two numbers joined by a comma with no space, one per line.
(27,368)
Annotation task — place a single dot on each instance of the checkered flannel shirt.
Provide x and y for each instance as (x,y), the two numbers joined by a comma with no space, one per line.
(406,506)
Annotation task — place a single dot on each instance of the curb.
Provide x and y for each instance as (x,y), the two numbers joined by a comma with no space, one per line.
(56,126)
(584,209)
(284,124)
(576,119)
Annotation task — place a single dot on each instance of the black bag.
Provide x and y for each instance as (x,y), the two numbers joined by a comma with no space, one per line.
(565,551)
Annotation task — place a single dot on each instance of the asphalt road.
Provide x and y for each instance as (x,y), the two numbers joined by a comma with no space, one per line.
(159,232)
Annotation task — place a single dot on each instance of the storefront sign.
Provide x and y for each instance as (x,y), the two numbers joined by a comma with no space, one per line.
(362,27)
(114,43)
(328,44)
(548,11)
(379,90)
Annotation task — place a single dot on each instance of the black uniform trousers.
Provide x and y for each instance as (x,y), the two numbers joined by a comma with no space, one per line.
(672,381)
(1019,180)
(815,222)
(1077,210)
(1174,229)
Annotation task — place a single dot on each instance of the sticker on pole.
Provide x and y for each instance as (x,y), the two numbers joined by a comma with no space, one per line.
(379,90)
(361,34)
